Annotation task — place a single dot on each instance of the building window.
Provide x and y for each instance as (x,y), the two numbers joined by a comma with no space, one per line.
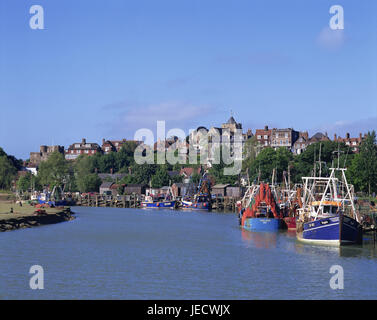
(259,137)
(266,137)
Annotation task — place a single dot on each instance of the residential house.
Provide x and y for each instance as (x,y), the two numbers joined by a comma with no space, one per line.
(353,143)
(263,138)
(77,149)
(283,138)
(188,172)
(301,143)
(318,137)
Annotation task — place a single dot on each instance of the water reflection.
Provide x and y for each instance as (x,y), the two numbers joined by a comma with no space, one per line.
(366,250)
(264,240)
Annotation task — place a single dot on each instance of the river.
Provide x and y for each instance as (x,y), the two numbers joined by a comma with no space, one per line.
(110,253)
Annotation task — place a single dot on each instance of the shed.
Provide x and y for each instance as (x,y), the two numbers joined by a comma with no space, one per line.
(220,189)
(105,186)
(135,188)
(235,192)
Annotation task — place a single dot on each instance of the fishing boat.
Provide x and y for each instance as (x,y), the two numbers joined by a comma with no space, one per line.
(328,215)
(258,210)
(50,198)
(162,202)
(157,203)
(202,199)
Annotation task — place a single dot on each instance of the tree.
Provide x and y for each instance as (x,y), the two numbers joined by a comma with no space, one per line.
(89,183)
(160,178)
(366,164)
(54,171)
(28,181)
(7,172)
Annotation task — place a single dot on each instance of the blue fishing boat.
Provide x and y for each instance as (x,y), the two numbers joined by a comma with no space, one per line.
(328,215)
(161,202)
(202,199)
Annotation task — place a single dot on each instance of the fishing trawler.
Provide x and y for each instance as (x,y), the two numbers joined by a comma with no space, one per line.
(162,202)
(202,199)
(328,215)
(258,210)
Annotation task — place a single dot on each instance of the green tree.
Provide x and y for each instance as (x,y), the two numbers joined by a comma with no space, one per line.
(160,178)
(54,171)
(366,164)
(7,172)
(89,183)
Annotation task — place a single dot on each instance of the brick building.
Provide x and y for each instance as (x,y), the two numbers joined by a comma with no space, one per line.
(83,147)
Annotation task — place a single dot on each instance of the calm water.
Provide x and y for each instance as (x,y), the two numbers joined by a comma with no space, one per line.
(144,254)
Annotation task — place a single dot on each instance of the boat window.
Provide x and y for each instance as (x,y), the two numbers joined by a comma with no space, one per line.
(326,209)
(334,209)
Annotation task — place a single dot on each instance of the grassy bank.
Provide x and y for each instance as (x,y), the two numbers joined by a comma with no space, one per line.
(24,217)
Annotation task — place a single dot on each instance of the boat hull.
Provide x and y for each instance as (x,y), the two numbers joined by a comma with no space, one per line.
(196,205)
(157,205)
(335,231)
(263,224)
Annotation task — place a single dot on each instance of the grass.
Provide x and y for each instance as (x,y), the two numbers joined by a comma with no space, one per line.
(18,211)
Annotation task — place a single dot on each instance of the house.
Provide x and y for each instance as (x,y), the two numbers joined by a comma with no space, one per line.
(263,138)
(77,149)
(44,152)
(188,172)
(135,188)
(115,145)
(352,143)
(301,143)
(220,189)
(318,137)
(105,187)
(114,177)
(283,138)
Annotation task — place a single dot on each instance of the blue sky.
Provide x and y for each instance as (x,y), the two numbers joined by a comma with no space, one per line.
(103,69)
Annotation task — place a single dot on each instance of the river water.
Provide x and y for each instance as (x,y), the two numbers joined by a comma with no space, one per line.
(109,253)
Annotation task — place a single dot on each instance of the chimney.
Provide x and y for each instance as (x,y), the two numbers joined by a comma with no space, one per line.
(129,170)
(360,136)
(347,135)
(111,170)
(265,128)
(83,141)
(95,170)
(103,141)
(335,137)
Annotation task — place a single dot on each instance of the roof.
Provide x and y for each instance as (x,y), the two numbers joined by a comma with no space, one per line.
(113,176)
(135,185)
(106,184)
(173,173)
(220,186)
(231,121)
(188,171)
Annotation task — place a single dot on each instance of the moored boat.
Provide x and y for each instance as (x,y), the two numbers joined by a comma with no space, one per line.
(328,215)
(202,199)
(258,210)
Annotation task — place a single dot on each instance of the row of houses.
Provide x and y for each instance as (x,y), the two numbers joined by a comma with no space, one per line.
(295,141)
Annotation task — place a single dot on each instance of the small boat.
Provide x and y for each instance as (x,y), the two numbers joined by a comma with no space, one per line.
(150,203)
(328,215)
(200,201)
(50,198)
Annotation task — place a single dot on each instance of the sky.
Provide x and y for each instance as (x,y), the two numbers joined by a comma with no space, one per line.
(104,69)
